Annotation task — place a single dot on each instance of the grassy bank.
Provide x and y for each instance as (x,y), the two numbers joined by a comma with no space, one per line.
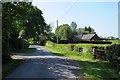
(91,68)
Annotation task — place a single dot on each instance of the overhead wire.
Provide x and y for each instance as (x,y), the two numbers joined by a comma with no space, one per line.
(66,12)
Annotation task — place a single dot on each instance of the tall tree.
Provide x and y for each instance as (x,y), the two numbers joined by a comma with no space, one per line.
(21,20)
(73,27)
(85,30)
(64,32)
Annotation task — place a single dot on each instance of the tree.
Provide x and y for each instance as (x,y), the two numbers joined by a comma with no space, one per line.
(80,31)
(21,21)
(73,27)
(85,30)
(91,30)
(36,24)
(64,32)
(50,34)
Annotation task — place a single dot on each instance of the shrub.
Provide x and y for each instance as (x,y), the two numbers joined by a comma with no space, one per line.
(49,43)
(31,41)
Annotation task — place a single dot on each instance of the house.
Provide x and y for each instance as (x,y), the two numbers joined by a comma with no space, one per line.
(92,37)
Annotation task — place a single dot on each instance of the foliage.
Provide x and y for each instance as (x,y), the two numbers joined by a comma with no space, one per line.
(22,17)
(63,32)
(50,35)
(30,41)
(92,69)
(73,27)
(86,30)
(20,44)
(87,48)
(82,41)
(36,26)
(21,21)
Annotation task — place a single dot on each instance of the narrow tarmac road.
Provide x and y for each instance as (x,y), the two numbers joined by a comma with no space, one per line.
(43,64)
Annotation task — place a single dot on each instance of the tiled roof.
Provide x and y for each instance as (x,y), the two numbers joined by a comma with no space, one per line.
(87,36)
(84,36)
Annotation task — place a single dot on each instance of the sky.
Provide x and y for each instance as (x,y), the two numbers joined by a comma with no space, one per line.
(101,16)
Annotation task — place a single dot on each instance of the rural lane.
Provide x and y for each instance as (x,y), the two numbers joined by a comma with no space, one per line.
(43,64)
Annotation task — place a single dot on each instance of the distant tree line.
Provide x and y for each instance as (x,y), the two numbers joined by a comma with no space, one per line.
(66,31)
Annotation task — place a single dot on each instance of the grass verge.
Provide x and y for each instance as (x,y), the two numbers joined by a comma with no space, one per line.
(9,67)
(91,68)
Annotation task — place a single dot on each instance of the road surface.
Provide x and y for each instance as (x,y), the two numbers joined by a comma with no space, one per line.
(43,64)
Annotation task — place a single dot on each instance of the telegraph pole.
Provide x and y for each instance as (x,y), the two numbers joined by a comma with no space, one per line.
(57,33)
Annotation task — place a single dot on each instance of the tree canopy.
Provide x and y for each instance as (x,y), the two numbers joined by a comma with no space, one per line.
(85,30)
(64,32)
(73,25)
(21,20)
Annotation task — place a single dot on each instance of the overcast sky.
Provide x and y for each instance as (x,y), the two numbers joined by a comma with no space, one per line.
(102,16)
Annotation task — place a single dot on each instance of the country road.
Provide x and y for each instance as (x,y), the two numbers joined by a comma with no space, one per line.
(43,64)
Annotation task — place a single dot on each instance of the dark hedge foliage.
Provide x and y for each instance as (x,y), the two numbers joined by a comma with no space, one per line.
(82,41)
(19,44)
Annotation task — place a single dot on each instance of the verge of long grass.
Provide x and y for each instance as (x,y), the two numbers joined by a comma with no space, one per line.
(91,68)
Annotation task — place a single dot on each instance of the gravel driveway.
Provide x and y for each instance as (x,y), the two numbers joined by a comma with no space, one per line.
(43,64)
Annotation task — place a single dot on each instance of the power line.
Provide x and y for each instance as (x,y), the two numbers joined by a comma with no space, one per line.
(68,10)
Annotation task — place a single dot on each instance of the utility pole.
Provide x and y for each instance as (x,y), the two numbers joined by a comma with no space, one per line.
(57,33)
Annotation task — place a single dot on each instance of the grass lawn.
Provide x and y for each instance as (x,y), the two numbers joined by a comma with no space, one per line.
(91,68)
(114,41)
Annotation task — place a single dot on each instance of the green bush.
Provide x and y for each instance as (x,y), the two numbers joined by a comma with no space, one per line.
(50,44)
(31,41)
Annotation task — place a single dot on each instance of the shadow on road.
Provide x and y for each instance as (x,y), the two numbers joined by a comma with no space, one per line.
(44,64)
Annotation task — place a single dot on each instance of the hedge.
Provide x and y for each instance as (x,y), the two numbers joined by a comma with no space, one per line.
(70,47)
(18,44)
(82,41)
(111,53)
